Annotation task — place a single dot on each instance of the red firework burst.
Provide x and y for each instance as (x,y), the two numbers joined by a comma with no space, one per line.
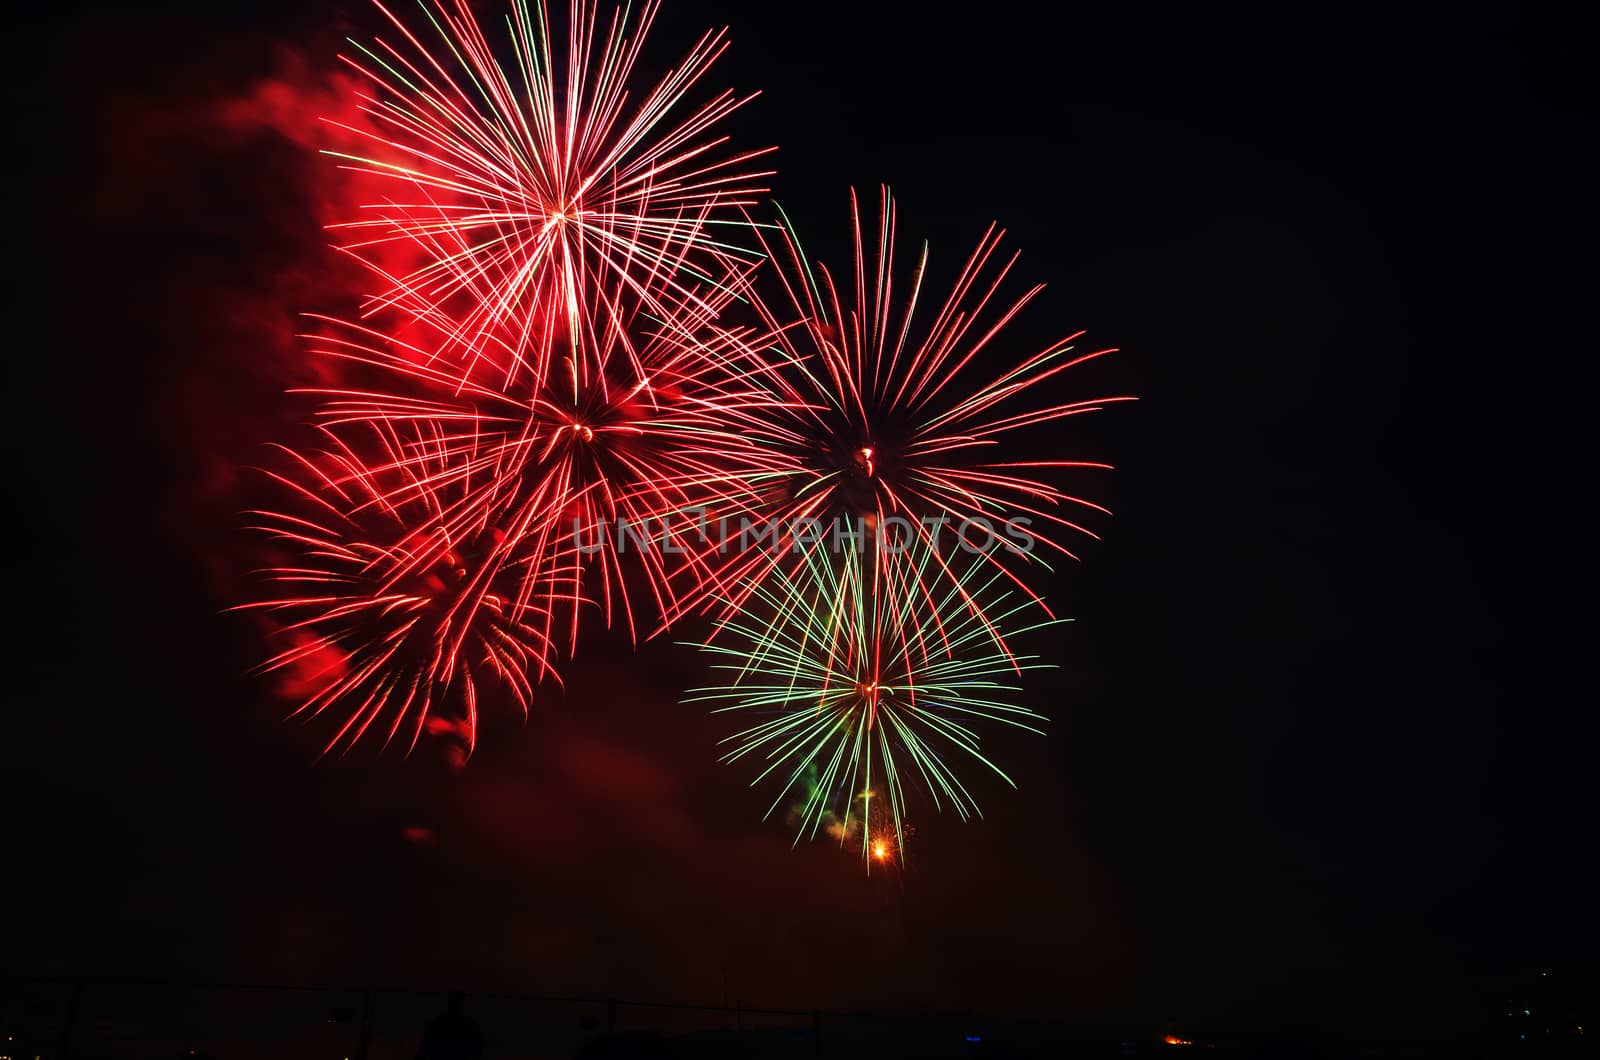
(880,416)
(394,610)
(514,197)
(598,476)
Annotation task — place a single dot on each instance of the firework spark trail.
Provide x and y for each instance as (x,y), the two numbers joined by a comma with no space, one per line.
(861,686)
(877,417)
(515,193)
(392,609)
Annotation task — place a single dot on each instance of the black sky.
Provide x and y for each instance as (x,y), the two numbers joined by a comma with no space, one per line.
(1323,735)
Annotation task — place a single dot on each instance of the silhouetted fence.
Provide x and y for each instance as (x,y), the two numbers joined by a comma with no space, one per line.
(91,1019)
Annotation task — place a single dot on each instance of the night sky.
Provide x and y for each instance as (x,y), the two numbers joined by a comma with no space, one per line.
(1323,740)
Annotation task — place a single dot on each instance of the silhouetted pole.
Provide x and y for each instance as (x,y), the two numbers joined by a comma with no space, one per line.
(611,1016)
(71,1017)
(364,1042)
(816,1030)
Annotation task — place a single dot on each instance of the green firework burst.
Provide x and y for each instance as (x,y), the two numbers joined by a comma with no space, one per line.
(869,687)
